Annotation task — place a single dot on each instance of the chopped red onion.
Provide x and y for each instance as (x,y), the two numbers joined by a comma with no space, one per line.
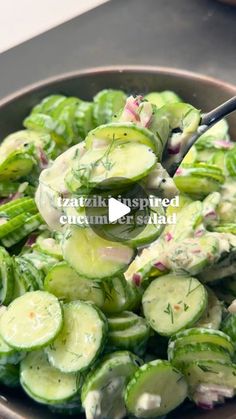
(179,171)
(159,265)
(199,233)
(223,144)
(211,215)
(169,236)
(136,279)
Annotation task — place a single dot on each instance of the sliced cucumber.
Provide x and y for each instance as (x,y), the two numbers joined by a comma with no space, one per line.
(9,375)
(201,335)
(226,228)
(200,352)
(146,395)
(119,295)
(172,303)
(102,391)
(41,261)
(44,383)
(19,206)
(229,326)
(48,104)
(81,339)
(199,179)
(49,246)
(31,321)
(153,229)
(67,285)
(107,102)
(109,164)
(83,122)
(121,131)
(8,355)
(188,218)
(161,98)
(213,315)
(31,223)
(219,131)
(6,277)
(27,276)
(8,188)
(192,255)
(92,256)
(16,165)
(133,338)
(122,321)
(8,227)
(210,372)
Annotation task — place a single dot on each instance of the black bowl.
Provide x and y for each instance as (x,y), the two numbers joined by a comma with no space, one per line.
(203,92)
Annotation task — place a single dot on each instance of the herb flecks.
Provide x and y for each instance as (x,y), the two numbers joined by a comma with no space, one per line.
(169,311)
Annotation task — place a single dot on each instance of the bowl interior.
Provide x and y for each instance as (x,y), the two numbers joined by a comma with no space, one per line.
(202,92)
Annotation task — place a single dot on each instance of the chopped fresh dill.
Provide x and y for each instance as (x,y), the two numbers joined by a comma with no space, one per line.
(169,311)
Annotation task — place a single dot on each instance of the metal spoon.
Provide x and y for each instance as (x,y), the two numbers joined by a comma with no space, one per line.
(209,119)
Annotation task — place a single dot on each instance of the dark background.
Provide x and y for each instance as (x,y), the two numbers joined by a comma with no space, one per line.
(197,35)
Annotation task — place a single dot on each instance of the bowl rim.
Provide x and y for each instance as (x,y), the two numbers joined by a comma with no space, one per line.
(172,71)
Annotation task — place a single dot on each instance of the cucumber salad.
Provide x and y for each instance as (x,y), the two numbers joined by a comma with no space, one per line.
(107,329)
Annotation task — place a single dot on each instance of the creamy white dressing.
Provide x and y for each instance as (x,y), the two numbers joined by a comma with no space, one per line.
(148,401)
(106,404)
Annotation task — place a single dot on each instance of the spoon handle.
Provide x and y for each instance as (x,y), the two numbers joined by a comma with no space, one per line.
(218,113)
(209,119)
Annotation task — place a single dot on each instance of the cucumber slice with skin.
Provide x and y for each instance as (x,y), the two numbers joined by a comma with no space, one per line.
(92,256)
(81,339)
(83,122)
(201,335)
(16,165)
(49,246)
(229,326)
(133,338)
(41,261)
(184,301)
(210,372)
(8,355)
(10,226)
(31,321)
(200,352)
(106,103)
(64,282)
(119,161)
(102,391)
(122,321)
(121,131)
(11,204)
(199,179)
(213,315)
(19,207)
(155,389)
(8,188)
(6,277)
(44,383)
(31,223)
(48,104)
(28,275)
(118,295)
(161,98)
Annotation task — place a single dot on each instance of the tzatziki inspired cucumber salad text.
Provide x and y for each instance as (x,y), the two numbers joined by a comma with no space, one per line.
(109,329)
